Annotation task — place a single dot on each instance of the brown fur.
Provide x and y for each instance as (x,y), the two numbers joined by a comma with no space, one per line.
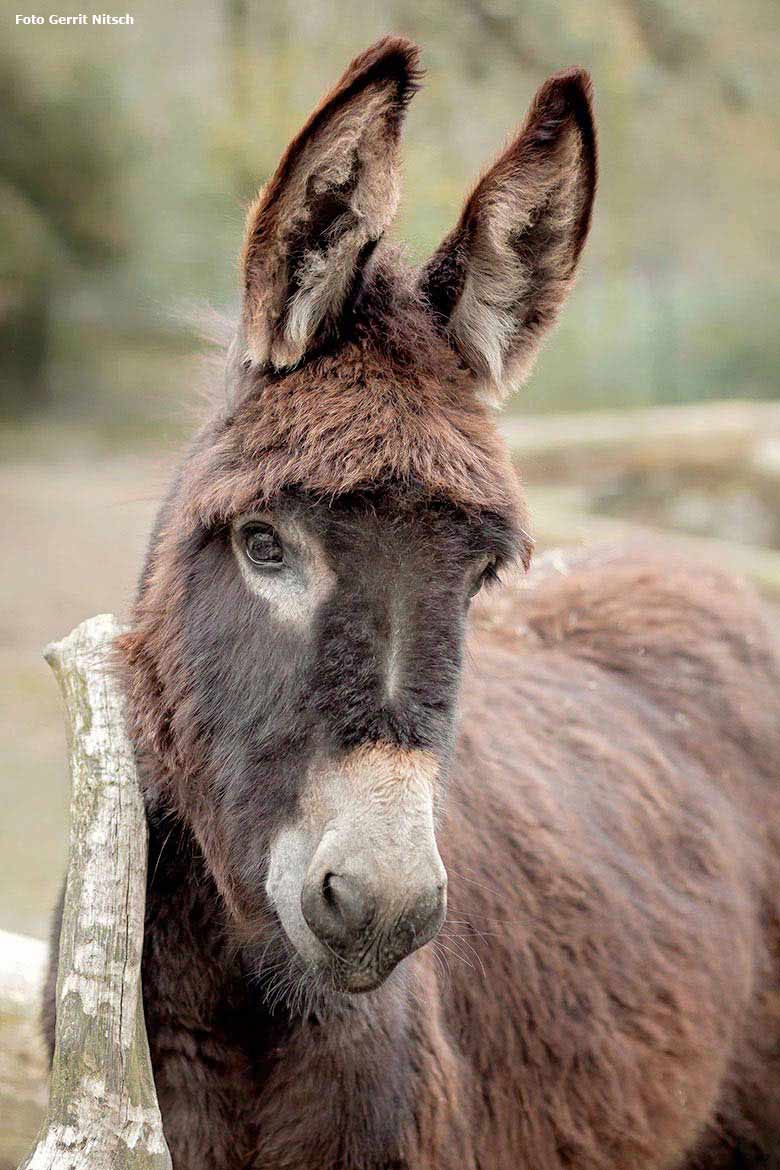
(332,196)
(519,238)
(390,403)
(606,994)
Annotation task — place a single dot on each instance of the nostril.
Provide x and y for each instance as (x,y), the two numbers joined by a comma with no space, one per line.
(327,891)
(427,914)
(338,908)
(418,925)
(350,899)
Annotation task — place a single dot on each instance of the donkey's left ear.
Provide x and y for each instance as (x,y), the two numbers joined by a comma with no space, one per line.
(317,220)
(498,280)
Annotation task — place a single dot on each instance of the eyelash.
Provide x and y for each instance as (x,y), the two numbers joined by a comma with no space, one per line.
(491,574)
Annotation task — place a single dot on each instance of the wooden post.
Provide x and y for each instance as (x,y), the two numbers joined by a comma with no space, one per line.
(102,1112)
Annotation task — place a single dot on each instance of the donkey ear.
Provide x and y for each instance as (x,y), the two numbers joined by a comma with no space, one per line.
(498,280)
(314,224)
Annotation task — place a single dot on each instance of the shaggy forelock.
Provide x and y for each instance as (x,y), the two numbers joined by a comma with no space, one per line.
(388,404)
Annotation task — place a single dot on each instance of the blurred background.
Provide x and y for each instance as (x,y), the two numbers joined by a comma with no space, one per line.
(127,155)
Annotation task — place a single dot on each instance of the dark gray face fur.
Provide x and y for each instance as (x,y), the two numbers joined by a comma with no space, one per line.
(327,683)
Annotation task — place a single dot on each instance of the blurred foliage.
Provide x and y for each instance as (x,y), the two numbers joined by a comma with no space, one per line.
(126,155)
(58,209)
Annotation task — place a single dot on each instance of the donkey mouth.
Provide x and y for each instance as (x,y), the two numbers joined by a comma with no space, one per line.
(356,982)
(382,956)
(354,975)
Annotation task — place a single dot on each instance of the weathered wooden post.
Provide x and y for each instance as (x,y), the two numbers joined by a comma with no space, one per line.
(102,1112)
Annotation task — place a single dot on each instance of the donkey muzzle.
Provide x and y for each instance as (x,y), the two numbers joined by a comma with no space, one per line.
(357,882)
(368,925)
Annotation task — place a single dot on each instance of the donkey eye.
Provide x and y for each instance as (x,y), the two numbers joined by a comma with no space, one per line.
(487,573)
(261,545)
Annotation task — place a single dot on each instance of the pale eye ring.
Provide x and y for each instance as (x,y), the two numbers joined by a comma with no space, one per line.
(262,546)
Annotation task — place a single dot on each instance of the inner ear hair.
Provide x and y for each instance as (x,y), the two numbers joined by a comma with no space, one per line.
(314,225)
(497,282)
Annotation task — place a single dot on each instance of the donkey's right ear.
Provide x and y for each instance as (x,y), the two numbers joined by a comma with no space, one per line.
(314,224)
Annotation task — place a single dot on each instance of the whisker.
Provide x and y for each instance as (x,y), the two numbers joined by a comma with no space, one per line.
(455,953)
(441,961)
(473,950)
(472,881)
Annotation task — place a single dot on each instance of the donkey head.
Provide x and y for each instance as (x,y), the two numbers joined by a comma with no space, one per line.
(296,650)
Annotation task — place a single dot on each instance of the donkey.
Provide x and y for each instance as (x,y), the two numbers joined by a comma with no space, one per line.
(339,751)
